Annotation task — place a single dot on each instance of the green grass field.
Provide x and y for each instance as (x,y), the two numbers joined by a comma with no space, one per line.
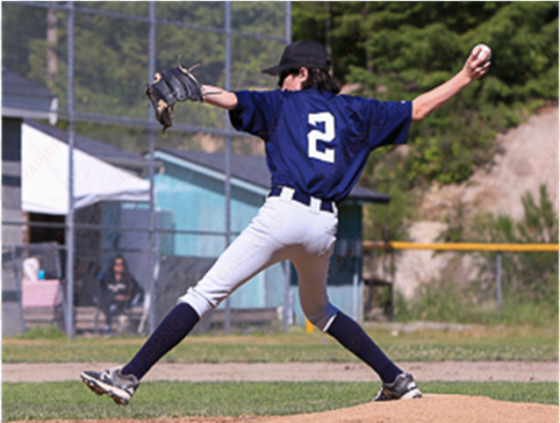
(483,343)
(73,400)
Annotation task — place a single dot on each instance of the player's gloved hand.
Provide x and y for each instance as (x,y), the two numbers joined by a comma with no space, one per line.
(172,86)
(475,67)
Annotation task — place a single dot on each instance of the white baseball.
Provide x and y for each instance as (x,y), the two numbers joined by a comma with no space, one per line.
(482,54)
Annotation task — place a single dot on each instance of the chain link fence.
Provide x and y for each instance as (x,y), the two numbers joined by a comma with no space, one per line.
(170,202)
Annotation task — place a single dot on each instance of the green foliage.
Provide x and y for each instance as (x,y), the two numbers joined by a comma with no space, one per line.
(395,50)
(529,280)
(388,222)
(445,302)
(111,57)
(455,231)
(17,36)
(522,309)
(530,276)
(400,50)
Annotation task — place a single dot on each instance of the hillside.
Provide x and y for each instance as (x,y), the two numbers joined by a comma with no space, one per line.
(528,157)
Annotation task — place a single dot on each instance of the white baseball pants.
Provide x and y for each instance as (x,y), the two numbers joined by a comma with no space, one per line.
(284,229)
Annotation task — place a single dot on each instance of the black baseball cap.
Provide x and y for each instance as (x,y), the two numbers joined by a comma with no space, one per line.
(307,54)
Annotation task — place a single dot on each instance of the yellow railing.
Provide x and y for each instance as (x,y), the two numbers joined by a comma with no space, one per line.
(401,245)
(466,246)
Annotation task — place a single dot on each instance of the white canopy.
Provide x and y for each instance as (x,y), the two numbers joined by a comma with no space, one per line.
(44,176)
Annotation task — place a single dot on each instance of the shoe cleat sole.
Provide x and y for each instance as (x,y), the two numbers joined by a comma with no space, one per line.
(118,400)
(101,388)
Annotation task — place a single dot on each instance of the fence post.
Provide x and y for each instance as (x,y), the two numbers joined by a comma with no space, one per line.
(392,287)
(17,280)
(288,310)
(228,150)
(69,316)
(151,228)
(355,291)
(288,305)
(288,22)
(499,283)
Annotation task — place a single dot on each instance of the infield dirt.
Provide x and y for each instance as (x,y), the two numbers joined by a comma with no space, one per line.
(429,409)
(481,371)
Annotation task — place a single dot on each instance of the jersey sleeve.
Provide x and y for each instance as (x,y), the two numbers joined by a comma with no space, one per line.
(253,113)
(387,122)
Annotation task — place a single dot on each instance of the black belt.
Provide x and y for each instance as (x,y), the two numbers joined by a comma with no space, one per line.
(302,198)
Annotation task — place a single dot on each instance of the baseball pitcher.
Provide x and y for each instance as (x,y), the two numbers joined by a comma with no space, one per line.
(317,144)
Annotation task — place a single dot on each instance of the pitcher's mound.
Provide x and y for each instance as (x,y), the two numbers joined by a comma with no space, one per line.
(429,409)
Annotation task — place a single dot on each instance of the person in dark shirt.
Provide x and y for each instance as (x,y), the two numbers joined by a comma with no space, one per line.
(119,290)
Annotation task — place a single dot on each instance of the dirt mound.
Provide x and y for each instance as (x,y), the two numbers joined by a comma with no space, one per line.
(430,409)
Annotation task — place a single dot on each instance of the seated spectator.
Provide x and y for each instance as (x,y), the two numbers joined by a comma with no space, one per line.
(119,291)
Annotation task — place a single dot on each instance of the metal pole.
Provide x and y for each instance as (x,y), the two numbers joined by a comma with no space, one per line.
(288,306)
(68,317)
(392,287)
(228,150)
(151,118)
(499,283)
(287,297)
(355,291)
(288,22)
(17,280)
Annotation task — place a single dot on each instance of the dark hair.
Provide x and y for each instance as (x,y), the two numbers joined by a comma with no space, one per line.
(125,267)
(319,78)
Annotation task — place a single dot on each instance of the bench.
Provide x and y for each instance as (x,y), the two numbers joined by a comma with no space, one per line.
(43,316)
(86,318)
(91,318)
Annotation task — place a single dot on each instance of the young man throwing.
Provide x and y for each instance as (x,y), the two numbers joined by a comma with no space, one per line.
(317,144)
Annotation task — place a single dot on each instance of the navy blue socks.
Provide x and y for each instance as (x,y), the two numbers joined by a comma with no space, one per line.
(352,337)
(179,322)
(176,325)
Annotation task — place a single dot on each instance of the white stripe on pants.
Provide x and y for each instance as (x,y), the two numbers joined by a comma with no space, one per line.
(283,229)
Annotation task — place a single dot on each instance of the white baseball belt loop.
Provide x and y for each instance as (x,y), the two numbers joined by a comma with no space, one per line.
(286,194)
(315,205)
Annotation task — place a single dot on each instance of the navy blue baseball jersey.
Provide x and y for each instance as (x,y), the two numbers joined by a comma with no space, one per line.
(317,142)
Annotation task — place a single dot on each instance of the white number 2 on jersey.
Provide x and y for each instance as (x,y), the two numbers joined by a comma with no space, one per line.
(315,135)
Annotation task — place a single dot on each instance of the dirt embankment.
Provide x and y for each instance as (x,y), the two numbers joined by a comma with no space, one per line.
(526,158)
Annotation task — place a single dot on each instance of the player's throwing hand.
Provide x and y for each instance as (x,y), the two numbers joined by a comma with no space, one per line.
(477,64)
